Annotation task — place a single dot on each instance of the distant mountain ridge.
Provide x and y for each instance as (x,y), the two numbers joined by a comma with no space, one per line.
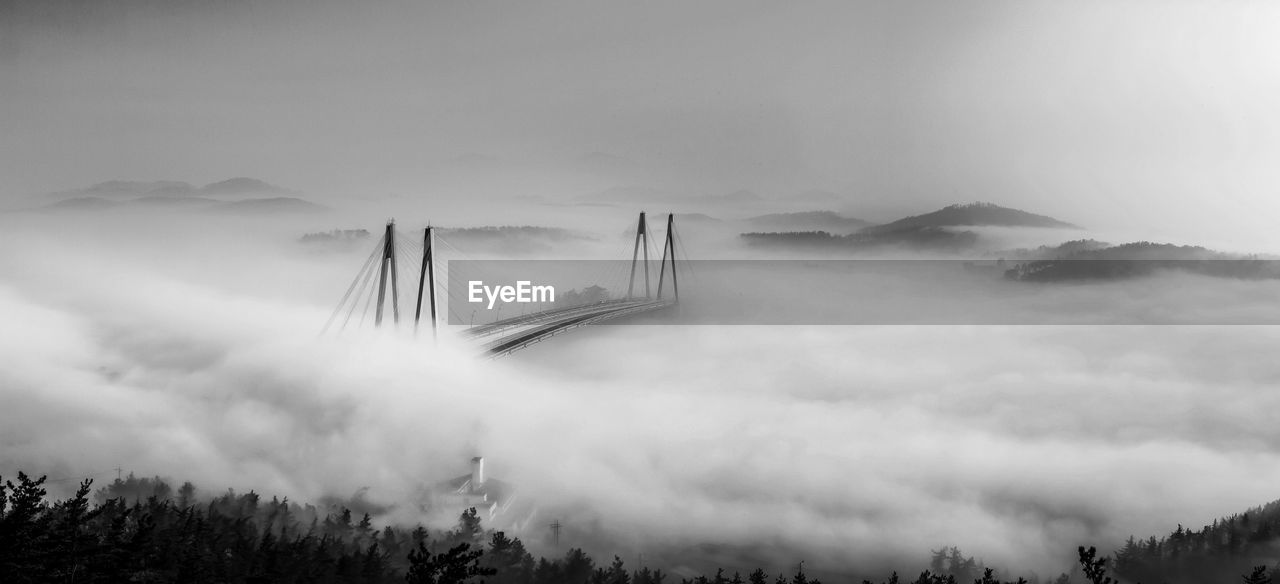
(928,231)
(972,215)
(512,240)
(1146,250)
(234,196)
(918,238)
(243,186)
(252,206)
(639,194)
(114,189)
(270,205)
(130,187)
(808,221)
(1142,258)
(1049,252)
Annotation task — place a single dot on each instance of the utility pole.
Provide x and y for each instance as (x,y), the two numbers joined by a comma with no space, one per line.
(388,257)
(427,277)
(555,533)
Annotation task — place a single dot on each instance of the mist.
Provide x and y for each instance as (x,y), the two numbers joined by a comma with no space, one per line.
(1122,115)
(186,346)
(185,343)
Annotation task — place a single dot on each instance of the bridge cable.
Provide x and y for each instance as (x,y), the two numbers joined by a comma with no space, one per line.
(364,315)
(688,263)
(368,262)
(453,297)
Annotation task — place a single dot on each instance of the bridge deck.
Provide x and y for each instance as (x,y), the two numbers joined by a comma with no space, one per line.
(533,318)
(519,332)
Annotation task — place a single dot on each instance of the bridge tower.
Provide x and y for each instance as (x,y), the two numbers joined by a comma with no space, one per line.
(669,250)
(388,264)
(427,277)
(642,233)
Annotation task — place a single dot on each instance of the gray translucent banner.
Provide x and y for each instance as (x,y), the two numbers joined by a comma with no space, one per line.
(850,292)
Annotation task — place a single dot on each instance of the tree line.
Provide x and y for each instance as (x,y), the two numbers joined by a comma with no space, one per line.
(1230,544)
(141,530)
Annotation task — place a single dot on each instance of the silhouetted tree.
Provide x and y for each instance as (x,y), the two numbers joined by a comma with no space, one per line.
(457,566)
(577,567)
(1095,569)
(1259,575)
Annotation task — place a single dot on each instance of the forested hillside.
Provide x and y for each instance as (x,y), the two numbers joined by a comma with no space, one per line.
(1141,258)
(141,530)
(971,214)
(1230,545)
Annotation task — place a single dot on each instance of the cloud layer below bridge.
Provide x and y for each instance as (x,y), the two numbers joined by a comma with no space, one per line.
(189,351)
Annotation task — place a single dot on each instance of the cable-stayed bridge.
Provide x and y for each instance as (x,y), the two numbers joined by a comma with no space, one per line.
(501,336)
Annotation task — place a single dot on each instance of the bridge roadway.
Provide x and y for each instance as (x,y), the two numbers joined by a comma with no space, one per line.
(512,334)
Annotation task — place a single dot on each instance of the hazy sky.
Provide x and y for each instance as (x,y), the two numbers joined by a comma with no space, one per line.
(186,346)
(1103,112)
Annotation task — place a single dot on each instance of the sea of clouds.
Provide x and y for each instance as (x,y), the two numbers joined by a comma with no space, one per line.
(187,348)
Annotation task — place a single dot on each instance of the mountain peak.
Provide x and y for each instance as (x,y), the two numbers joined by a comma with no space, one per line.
(973,214)
(241,186)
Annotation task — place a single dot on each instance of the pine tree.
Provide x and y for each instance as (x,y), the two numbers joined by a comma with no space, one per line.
(23,530)
(1128,558)
(456,566)
(468,529)
(577,567)
(72,540)
(373,564)
(617,574)
(1258,576)
(938,560)
(187,494)
(1094,569)
(800,577)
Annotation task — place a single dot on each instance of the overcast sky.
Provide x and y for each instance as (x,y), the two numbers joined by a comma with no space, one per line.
(192,353)
(1156,112)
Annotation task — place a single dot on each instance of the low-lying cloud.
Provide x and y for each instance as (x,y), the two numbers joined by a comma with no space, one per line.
(852,448)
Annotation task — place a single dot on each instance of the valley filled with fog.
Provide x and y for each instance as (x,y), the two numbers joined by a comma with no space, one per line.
(1002,276)
(183,344)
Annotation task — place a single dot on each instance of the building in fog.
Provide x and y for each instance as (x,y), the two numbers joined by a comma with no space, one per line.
(496,501)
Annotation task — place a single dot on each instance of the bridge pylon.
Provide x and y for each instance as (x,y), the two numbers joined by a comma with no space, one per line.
(669,250)
(388,266)
(642,233)
(428,278)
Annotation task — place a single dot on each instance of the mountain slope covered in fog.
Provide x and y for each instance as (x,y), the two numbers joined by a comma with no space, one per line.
(1231,545)
(972,214)
(914,238)
(1140,258)
(142,529)
(130,189)
(940,230)
(808,221)
(234,196)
